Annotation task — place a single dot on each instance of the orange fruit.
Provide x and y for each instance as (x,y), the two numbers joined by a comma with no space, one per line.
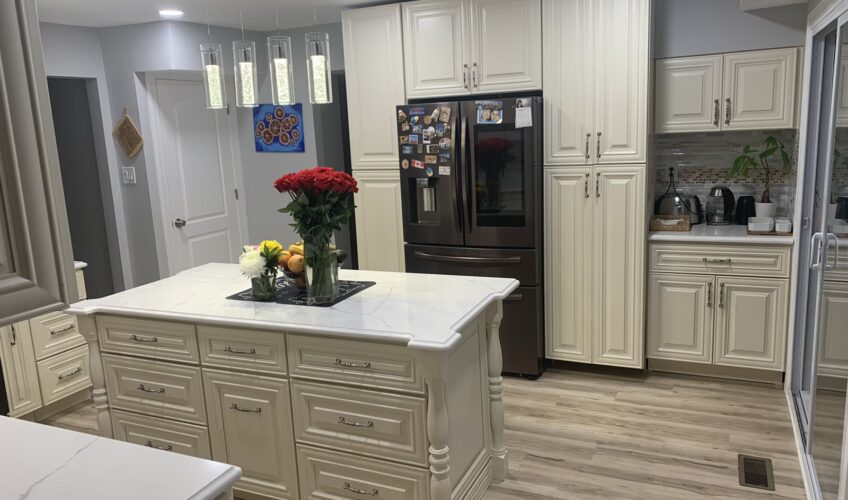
(296,264)
(283,258)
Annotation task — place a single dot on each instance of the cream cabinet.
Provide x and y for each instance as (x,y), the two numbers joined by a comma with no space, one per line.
(379,222)
(20,373)
(754,90)
(833,342)
(374,78)
(594,264)
(597,60)
(456,47)
(732,311)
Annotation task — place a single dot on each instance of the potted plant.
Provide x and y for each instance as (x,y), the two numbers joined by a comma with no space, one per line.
(751,158)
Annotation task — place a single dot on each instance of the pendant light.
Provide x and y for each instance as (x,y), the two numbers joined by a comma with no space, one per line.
(318,66)
(244,57)
(280,62)
(211,65)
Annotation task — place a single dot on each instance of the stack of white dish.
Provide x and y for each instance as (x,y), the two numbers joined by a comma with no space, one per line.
(769,224)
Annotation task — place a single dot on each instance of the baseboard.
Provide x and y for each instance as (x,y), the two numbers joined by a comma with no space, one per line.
(726,372)
(63,404)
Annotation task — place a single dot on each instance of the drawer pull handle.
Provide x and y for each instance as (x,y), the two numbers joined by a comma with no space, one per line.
(236,407)
(233,350)
(369,424)
(160,390)
(136,338)
(350,364)
(721,296)
(374,492)
(69,375)
(709,294)
(718,261)
(63,330)
(150,444)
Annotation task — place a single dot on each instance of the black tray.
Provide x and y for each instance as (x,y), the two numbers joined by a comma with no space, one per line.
(291,295)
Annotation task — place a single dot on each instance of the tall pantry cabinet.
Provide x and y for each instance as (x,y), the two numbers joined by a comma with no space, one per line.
(596,55)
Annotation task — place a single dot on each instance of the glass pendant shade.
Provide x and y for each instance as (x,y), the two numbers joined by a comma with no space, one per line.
(318,68)
(213,75)
(280,62)
(247,85)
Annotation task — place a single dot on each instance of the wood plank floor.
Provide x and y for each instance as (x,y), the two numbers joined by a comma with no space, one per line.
(589,435)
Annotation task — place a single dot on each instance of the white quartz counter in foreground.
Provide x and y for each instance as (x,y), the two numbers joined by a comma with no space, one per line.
(39,462)
(703,233)
(421,310)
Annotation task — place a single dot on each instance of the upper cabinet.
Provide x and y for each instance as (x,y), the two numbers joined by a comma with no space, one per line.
(372,47)
(596,85)
(457,47)
(36,268)
(754,90)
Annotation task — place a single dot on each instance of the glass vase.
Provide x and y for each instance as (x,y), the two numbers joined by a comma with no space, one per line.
(264,287)
(322,270)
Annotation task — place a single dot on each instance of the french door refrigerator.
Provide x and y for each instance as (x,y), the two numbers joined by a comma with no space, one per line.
(471,201)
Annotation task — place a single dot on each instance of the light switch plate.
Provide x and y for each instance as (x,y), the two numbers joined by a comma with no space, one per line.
(128,175)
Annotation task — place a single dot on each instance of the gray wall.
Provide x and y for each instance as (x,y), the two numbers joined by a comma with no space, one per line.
(693,27)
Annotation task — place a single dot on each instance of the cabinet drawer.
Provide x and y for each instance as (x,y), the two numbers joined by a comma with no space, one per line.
(729,260)
(243,349)
(155,388)
(151,339)
(54,333)
(382,425)
(331,475)
(352,362)
(187,439)
(64,374)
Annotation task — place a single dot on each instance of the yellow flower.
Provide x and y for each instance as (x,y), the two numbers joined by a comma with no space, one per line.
(271,245)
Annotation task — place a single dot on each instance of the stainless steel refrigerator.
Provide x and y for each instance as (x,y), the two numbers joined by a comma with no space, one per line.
(472,204)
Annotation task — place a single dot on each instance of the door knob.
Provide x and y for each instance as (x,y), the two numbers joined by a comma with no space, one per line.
(178,222)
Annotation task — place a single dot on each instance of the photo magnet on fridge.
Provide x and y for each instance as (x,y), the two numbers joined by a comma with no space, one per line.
(489,112)
(431,159)
(417,164)
(444,169)
(417,111)
(445,143)
(432,148)
(411,138)
(444,114)
(407,149)
(404,164)
(429,171)
(434,116)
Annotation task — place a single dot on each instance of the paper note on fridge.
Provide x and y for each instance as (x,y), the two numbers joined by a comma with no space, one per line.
(523,117)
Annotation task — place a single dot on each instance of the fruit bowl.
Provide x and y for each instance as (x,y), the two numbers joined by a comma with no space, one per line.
(295,279)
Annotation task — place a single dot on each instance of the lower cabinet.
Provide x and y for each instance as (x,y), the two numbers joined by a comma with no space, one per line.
(250,425)
(162,434)
(20,374)
(379,221)
(680,317)
(833,343)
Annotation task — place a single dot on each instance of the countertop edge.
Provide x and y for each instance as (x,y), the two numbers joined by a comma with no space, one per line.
(735,240)
(220,485)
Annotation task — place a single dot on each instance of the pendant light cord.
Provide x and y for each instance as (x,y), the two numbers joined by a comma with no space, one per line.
(241,20)
(277,16)
(208,29)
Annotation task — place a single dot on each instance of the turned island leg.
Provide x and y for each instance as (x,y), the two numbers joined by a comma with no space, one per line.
(500,455)
(98,382)
(437,429)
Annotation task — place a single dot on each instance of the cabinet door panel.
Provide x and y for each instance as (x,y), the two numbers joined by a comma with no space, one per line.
(567,49)
(20,374)
(374,78)
(568,247)
(435,48)
(680,317)
(507,45)
(379,224)
(761,88)
(622,62)
(833,343)
(688,94)
(751,322)
(250,425)
(619,265)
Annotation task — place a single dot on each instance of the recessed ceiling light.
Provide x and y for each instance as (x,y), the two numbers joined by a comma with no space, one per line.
(171,13)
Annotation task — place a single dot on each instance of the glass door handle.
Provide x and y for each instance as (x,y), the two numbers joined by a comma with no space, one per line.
(816,251)
(835,239)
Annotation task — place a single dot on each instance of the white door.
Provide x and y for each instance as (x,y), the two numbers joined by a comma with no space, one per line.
(373,47)
(506,52)
(833,343)
(197,171)
(436,48)
(379,223)
(759,89)
(20,375)
(569,195)
(250,425)
(688,94)
(619,265)
(751,322)
(569,108)
(622,62)
(680,317)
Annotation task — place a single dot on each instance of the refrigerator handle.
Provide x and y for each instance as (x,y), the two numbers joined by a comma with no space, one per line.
(466,166)
(457,171)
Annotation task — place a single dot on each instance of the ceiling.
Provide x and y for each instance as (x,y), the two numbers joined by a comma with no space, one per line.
(259,15)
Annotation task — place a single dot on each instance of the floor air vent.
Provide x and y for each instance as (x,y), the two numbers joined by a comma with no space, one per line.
(756,472)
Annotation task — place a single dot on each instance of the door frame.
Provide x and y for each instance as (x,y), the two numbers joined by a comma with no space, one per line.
(155,161)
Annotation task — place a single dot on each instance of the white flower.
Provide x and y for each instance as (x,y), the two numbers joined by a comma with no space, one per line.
(252,263)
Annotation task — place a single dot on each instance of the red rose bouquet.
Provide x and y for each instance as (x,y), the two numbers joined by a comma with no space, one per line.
(321,203)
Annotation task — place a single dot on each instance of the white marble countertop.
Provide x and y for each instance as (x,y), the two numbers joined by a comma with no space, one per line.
(39,462)
(423,311)
(703,233)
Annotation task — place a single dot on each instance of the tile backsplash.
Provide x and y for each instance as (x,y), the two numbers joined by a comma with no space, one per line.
(703,160)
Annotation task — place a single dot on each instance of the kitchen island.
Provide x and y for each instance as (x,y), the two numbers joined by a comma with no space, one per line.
(395,392)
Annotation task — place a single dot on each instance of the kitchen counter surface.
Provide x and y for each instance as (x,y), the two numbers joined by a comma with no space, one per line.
(423,311)
(40,462)
(703,233)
